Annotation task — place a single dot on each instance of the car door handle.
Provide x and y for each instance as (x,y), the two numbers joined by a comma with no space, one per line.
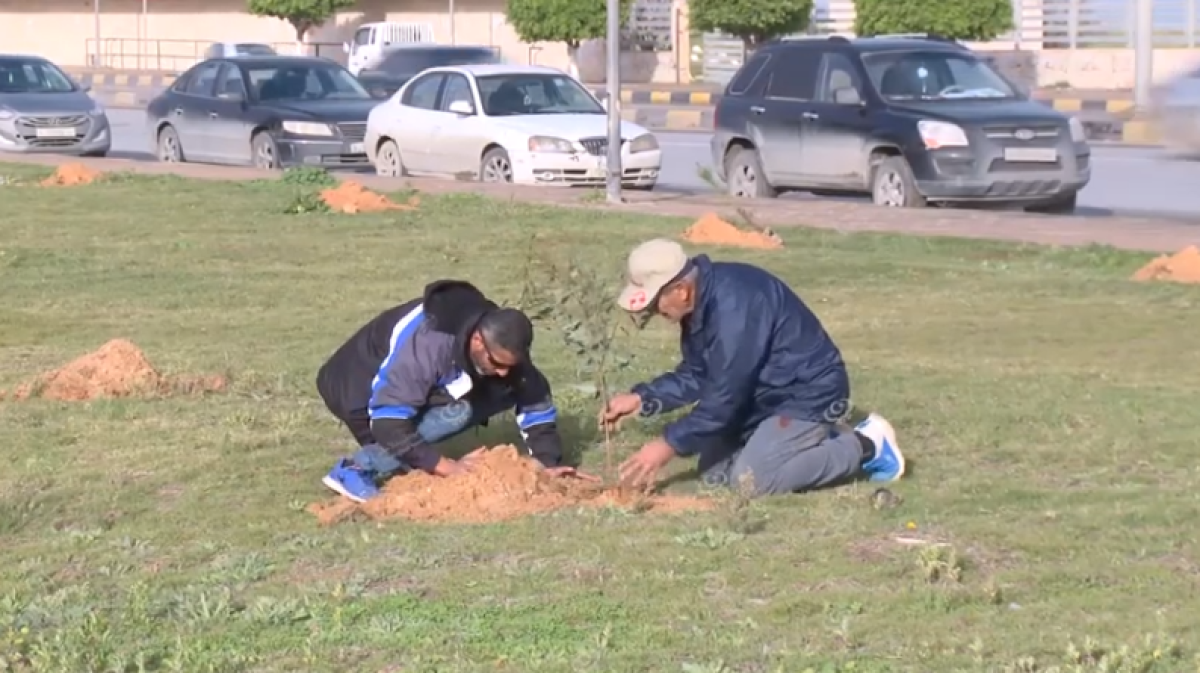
(212,115)
(757,109)
(178,111)
(810,115)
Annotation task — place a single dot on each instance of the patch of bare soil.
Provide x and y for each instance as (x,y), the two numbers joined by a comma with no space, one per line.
(116,369)
(70,175)
(351,197)
(712,230)
(503,484)
(1181,267)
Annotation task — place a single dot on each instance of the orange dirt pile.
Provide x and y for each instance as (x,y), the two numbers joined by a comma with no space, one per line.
(69,175)
(503,484)
(1182,267)
(351,197)
(116,369)
(712,230)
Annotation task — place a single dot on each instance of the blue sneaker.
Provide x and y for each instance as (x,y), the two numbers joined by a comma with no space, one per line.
(888,463)
(351,481)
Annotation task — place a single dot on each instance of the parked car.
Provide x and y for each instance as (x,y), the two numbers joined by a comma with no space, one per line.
(372,39)
(400,64)
(231,49)
(43,110)
(504,123)
(909,120)
(267,111)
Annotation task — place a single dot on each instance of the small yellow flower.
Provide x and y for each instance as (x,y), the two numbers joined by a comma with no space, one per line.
(911,525)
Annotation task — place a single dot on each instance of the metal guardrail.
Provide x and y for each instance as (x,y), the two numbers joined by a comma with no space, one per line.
(128,53)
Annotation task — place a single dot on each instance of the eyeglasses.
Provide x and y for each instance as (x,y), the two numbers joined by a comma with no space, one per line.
(493,362)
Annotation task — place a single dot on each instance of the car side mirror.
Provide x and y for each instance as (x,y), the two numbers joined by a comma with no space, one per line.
(86,88)
(462,107)
(235,96)
(345,47)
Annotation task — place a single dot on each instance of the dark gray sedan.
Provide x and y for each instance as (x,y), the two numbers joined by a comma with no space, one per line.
(43,110)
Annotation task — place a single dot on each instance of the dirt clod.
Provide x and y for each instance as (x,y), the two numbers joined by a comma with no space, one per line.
(70,175)
(116,369)
(712,230)
(503,484)
(1182,267)
(351,197)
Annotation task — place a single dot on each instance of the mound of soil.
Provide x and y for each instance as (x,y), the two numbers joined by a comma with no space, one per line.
(69,175)
(503,484)
(351,197)
(116,369)
(712,230)
(1182,267)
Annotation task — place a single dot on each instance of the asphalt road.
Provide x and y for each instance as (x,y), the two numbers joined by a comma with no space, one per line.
(1135,181)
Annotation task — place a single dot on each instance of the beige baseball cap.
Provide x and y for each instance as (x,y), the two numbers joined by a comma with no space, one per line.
(652,265)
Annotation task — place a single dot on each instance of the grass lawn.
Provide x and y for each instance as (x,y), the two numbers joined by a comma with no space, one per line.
(1043,400)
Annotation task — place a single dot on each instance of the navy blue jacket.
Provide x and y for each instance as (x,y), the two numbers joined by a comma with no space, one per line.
(751,350)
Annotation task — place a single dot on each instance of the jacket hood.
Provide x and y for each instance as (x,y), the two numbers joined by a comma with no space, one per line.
(455,307)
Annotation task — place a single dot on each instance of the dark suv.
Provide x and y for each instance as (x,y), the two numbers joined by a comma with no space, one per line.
(908,119)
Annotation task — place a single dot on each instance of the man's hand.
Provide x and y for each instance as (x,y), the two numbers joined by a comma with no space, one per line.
(449,468)
(619,407)
(642,468)
(570,472)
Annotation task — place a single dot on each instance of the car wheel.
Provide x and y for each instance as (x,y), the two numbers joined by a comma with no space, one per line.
(170,150)
(744,176)
(387,160)
(263,151)
(1061,205)
(893,186)
(495,166)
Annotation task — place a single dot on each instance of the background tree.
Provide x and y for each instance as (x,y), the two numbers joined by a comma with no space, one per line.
(754,21)
(567,21)
(303,15)
(974,20)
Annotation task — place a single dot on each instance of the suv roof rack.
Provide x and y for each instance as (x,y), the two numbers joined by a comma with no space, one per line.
(914,36)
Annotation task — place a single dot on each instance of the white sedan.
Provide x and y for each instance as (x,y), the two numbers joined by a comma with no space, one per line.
(504,123)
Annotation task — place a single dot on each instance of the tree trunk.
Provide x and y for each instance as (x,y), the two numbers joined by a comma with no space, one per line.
(573,60)
(302,28)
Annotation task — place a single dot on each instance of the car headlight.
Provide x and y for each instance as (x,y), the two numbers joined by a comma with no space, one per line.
(941,134)
(307,129)
(550,144)
(6,114)
(643,143)
(97,110)
(1078,133)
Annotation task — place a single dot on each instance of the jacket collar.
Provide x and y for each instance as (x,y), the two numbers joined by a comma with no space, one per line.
(704,287)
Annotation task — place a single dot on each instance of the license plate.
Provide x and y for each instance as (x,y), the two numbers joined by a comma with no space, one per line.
(357,148)
(1031,154)
(55,133)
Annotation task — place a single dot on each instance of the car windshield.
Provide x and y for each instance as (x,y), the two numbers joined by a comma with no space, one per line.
(406,62)
(304,81)
(28,75)
(934,75)
(254,50)
(536,94)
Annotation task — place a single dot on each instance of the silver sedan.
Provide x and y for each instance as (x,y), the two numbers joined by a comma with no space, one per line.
(43,110)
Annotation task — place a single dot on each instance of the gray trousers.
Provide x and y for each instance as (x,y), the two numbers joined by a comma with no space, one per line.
(784,455)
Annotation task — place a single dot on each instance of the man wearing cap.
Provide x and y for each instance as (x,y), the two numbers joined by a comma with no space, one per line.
(769,386)
(427,370)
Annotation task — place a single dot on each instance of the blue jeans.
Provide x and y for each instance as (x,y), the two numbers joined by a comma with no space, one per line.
(435,425)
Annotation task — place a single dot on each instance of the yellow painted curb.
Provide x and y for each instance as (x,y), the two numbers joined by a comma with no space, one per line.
(1140,131)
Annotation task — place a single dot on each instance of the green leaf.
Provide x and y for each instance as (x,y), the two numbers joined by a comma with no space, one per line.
(754,21)
(975,20)
(568,21)
(302,14)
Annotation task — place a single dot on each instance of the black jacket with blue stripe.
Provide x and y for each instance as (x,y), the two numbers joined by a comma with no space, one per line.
(413,357)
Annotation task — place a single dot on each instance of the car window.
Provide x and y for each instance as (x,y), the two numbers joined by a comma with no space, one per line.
(458,88)
(31,75)
(408,61)
(525,94)
(745,77)
(423,92)
(254,49)
(202,80)
(362,36)
(304,81)
(840,82)
(934,75)
(794,75)
(230,82)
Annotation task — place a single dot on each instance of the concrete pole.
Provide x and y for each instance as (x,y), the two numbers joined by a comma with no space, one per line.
(1143,54)
(452,40)
(614,102)
(96,21)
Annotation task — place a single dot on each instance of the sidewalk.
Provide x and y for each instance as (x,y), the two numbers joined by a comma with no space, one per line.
(1144,234)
